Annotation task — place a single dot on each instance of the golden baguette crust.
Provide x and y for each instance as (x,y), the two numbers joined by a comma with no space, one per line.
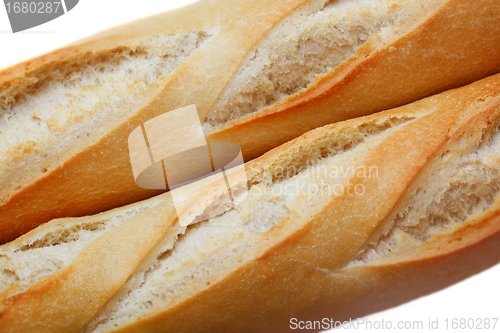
(427,58)
(304,272)
(303,267)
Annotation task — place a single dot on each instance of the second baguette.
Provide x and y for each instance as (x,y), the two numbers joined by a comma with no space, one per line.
(348,219)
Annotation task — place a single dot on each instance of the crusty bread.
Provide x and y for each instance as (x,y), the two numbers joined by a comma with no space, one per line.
(260,72)
(348,219)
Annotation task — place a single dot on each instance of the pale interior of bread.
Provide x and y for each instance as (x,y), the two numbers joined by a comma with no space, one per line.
(56,244)
(306,45)
(207,249)
(459,185)
(77,100)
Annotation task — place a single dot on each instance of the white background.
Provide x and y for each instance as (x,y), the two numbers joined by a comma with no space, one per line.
(477,297)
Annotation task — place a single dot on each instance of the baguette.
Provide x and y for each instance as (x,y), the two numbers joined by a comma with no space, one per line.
(425,215)
(260,73)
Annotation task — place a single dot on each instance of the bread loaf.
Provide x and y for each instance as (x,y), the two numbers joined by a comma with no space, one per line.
(260,73)
(348,219)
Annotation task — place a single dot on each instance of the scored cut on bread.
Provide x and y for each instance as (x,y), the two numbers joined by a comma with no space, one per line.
(345,220)
(260,73)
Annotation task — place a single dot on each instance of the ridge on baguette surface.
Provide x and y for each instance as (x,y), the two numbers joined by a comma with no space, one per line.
(455,188)
(44,250)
